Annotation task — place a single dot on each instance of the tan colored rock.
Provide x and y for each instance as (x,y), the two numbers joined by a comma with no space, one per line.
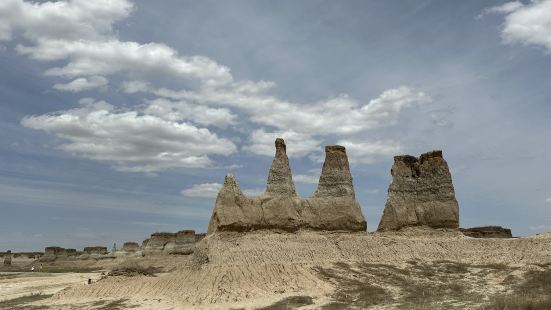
(335,179)
(53,252)
(280,180)
(95,250)
(487,232)
(332,207)
(421,194)
(182,243)
(130,247)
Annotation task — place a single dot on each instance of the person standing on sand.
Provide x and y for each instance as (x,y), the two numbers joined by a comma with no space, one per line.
(32,268)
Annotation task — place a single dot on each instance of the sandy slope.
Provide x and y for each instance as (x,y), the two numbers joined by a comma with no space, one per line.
(259,268)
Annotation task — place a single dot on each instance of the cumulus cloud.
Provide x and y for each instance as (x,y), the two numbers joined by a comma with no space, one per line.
(205,190)
(368,152)
(181,110)
(79,37)
(80,84)
(306,178)
(341,115)
(133,141)
(81,33)
(528,24)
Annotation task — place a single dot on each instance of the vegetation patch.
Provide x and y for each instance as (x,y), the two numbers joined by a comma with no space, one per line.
(290,303)
(24,301)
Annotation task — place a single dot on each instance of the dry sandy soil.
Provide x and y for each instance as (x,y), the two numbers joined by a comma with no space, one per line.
(412,269)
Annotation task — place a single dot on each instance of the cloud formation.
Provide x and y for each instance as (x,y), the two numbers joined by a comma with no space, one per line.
(528,24)
(205,190)
(134,142)
(80,38)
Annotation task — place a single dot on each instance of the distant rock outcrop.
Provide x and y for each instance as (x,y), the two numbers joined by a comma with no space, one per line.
(130,247)
(421,193)
(332,207)
(182,242)
(7,258)
(487,232)
(53,252)
(95,250)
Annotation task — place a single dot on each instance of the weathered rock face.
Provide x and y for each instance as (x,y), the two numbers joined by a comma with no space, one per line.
(421,193)
(95,250)
(130,247)
(182,242)
(280,180)
(55,252)
(7,258)
(487,232)
(335,179)
(332,207)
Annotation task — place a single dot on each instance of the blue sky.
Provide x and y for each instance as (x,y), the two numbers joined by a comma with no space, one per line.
(119,118)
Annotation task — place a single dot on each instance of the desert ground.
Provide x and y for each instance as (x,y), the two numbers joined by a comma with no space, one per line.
(414,268)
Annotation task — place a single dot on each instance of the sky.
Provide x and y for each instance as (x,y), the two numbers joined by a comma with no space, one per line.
(121,118)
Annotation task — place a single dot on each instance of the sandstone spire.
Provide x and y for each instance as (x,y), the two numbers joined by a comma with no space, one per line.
(335,179)
(280,180)
(421,193)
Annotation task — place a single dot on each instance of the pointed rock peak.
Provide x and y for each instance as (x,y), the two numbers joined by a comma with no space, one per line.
(335,179)
(230,185)
(280,179)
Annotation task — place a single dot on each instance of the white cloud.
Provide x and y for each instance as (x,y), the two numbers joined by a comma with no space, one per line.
(85,83)
(133,141)
(68,20)
(306,178)
(340,115)
(205,190)
(252,192)
(366,152)
(548,200)
(132,87)
(176,111)
(507,7)
(81,32)
(528,24)
(79,36)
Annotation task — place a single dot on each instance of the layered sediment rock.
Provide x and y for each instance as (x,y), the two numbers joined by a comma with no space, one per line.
(280,180)
(182,242)
(130,247)
(332,207)
(55,252)
(95,250)
(487,232)
(421,193)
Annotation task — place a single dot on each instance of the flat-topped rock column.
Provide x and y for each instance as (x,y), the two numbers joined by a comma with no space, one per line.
(421,193)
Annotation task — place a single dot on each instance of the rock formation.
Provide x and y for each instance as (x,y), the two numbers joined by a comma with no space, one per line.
(53,252)
(421,193)
(332,207)
(487,232)
(182,242)
(130,247)
(280,180)
(7,258)
(95,250)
